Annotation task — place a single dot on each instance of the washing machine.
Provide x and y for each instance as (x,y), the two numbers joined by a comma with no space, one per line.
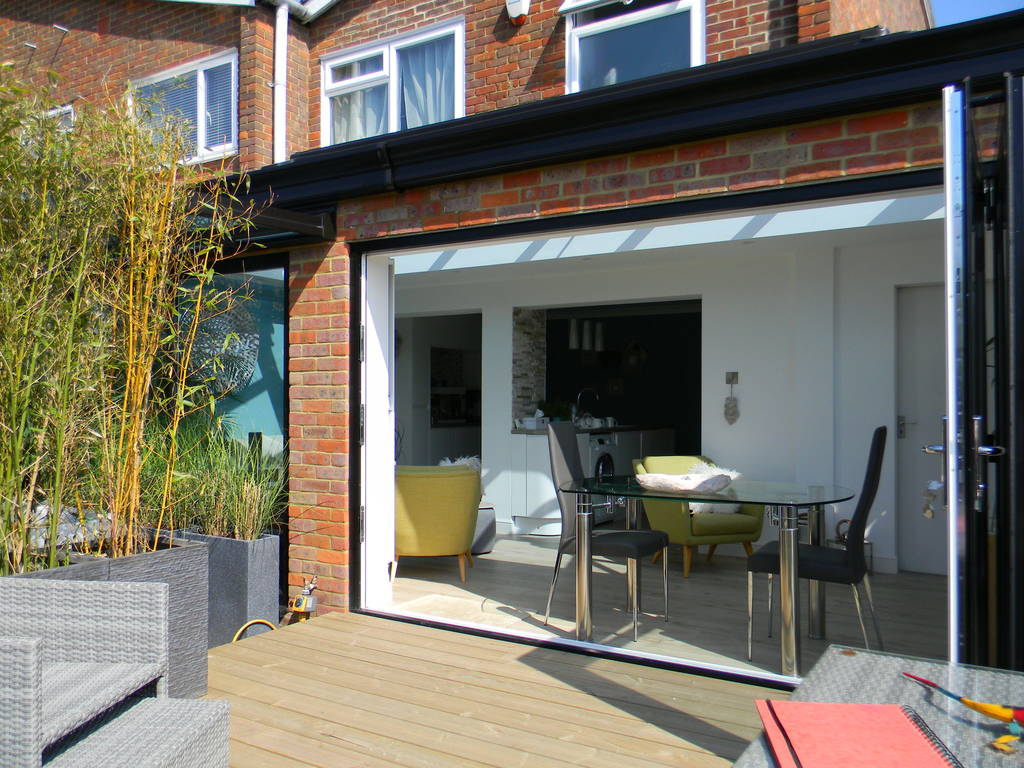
(609,453)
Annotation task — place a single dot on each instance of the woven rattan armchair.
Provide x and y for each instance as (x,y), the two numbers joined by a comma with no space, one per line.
(82,680)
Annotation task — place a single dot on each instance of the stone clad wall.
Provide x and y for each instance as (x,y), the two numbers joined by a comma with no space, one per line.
(529,360)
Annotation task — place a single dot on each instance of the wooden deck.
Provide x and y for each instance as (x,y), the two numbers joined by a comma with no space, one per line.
(350,690)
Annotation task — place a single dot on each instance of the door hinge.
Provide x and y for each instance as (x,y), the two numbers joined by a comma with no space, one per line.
(362,343)
(362,523)
(362,424)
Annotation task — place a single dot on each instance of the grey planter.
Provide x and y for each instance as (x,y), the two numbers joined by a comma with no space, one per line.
(243,583)
(183,568)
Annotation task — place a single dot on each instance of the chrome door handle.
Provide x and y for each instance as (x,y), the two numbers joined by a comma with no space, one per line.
(935,450)
(991,450)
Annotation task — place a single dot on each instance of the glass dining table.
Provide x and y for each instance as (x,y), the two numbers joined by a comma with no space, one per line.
(786,504)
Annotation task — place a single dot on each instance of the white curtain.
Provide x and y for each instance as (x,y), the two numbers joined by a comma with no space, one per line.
(427,82)
(359,114)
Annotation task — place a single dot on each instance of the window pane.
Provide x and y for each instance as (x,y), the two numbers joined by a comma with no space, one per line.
(175,98)
(638,50)
(219,106)
(355,68)
(250,342)
(359,114)
(427,82)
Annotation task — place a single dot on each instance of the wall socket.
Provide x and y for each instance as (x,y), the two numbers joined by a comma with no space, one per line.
(732,377)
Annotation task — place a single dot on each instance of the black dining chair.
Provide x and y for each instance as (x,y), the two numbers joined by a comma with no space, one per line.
(566,467)
(837,566)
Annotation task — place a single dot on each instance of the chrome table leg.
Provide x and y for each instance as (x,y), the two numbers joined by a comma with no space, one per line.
(789,603)
(816,589)
(584,525)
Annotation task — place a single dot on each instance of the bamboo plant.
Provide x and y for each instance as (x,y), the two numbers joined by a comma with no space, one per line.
(107,248)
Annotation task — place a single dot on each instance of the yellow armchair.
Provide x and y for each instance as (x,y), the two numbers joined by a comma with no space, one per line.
(690,530)
(435,512)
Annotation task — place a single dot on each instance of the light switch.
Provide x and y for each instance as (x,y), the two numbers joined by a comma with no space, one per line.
(732,377)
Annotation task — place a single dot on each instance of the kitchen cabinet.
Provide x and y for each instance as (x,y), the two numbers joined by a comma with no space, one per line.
(534,505)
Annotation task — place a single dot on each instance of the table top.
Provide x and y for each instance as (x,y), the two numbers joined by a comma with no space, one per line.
(739,491)
(870,677)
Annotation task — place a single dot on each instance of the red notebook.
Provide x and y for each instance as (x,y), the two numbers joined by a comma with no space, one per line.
(808,734)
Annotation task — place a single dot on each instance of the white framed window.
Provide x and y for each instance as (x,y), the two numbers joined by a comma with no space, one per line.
(611,41)
(403,83)
(65,116)
(204,96)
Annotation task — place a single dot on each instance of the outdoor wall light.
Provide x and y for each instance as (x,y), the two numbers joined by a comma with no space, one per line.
(517,10)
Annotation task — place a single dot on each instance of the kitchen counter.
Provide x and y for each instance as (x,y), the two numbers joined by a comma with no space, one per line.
(533,501)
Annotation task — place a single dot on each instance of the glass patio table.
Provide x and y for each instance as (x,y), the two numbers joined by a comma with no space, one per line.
(783,503)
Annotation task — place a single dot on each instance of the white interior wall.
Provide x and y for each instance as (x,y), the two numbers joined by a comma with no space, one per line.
(807,321)
(865,356)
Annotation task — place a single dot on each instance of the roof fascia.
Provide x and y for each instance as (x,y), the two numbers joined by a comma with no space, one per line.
(798,84)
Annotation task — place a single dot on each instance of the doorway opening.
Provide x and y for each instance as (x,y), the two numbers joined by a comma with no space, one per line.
(642,335)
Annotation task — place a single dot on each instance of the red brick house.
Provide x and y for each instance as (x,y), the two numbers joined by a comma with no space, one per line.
(455,194)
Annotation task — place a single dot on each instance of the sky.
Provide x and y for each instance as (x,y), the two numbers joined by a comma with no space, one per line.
(955,11)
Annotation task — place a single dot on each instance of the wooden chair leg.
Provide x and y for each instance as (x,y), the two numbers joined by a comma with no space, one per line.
(748,548)
(656,558)
(687,560)
(462,567)
(469,556)
(394,569)
(711,551)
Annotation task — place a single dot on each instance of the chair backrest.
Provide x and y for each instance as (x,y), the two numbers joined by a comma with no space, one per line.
(435,509)
(859,521)
(566,467)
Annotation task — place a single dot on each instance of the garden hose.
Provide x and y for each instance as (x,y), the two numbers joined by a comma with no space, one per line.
(248,624)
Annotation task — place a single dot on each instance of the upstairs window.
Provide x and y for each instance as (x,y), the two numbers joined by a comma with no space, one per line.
(202,97)
(401,84)
(615,42)
(64,116)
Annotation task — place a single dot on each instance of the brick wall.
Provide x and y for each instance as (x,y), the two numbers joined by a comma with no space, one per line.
(738,27)
(299,73)
(895,15)
(814,19)
(505,64)
(114,42)
(255,96)
(318,421)
(887,141)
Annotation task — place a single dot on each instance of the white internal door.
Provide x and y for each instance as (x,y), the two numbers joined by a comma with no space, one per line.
(378,432)
(920,347)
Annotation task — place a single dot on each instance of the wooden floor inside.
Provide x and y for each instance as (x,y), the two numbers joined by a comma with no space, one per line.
(350,690)
(507,589)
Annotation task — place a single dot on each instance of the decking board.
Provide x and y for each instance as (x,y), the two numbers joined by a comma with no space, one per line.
(351,690)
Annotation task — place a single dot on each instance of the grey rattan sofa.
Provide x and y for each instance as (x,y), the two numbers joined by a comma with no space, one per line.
(82,681)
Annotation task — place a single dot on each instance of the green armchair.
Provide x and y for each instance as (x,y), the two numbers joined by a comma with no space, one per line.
(435,512)
(690,530)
